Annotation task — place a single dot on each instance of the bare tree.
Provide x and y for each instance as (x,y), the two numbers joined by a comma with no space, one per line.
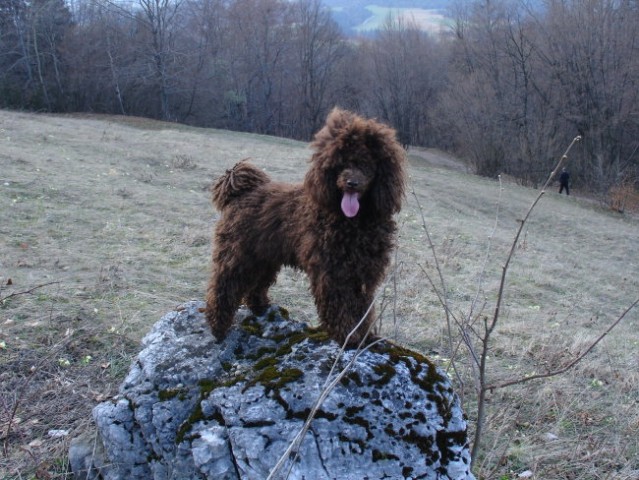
(32,35)
(258,44)
(319,46)
(405,66)
(204,77)
(160,19)
(103,73)
(525,78)
(16,74)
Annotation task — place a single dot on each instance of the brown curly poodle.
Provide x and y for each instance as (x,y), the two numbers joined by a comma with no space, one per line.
(337,226)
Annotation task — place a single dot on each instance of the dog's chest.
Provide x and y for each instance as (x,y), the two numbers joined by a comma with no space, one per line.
(349,240)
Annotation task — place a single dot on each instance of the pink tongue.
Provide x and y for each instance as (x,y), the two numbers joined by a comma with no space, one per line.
(350,204)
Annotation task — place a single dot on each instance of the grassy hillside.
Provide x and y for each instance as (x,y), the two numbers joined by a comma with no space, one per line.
(105,225)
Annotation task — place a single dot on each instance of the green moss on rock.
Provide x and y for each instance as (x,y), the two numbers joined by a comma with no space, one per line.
(251,326)
(265,363)
(385,372)
(380,456)
(351,376)
(274,379)
(353,410)
(197,415)
(407,471)
(171,393)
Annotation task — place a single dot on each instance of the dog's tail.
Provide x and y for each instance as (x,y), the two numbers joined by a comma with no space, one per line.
(237,181)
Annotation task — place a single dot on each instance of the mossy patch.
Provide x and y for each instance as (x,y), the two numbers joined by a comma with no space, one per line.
(304,414)
(352,376)
(316,335)
(380,456)
(207,385)
(251,326)
(353,410)
(425,444)
(416,362)
(197,415)
(423,372)
(407,471)
(445,440)
(265,363)
(252,329)
(362,422)
(261,352)
(281,311)
(171,393)
(284,350)
(273,379)
(385,373)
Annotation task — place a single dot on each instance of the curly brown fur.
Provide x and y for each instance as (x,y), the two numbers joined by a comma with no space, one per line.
(337,226)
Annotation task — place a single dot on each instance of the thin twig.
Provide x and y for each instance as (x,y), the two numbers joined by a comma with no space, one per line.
(443,297)
(471,318)
(485,264)
(26,292)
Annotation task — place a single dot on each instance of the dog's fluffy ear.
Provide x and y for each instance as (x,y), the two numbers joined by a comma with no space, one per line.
(327,143)
(387,190)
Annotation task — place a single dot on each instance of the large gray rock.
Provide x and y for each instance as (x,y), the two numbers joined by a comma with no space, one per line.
(194,409)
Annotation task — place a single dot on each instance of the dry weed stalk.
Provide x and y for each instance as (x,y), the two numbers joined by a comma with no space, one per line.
(464,325)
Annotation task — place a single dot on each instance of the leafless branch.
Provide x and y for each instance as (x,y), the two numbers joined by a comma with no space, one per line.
(27,292)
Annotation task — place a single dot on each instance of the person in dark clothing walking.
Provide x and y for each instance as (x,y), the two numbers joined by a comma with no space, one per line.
(564,181)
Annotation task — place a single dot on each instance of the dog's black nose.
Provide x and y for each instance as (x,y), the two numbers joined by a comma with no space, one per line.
(352,183)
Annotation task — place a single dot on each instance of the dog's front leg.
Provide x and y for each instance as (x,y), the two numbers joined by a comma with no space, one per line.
(341,307)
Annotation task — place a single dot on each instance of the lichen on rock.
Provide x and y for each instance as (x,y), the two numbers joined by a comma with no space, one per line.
(193,408)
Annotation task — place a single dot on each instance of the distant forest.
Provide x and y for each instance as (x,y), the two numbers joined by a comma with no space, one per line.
(507,87)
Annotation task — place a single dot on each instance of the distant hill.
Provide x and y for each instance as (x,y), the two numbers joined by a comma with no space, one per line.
(366,16)
(357,17)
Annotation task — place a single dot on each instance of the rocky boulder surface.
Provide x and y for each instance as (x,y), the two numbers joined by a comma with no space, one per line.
(191,408)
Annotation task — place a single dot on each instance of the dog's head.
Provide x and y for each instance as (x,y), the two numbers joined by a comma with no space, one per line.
(357,167)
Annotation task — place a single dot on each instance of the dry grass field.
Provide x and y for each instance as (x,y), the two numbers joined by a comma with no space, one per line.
(105,225)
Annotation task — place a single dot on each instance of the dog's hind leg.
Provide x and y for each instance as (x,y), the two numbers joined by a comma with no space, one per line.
(257,298)
(223,297)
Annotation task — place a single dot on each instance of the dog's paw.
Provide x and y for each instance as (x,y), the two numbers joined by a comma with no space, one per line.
(219,335)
